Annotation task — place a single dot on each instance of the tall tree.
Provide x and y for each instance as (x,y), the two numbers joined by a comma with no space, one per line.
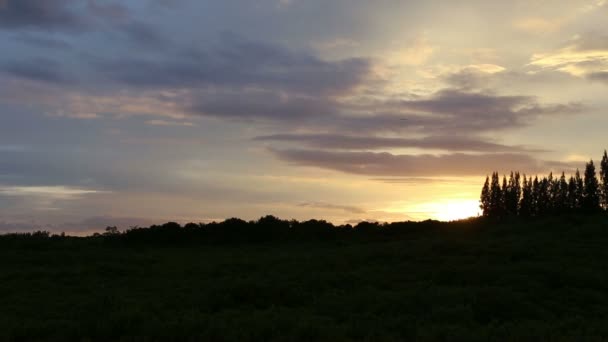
(544,197)
(513,194)
(591,189)
(579,190)
(505,196)
(486,198)
(516,192)
(525,205)
(572,193)
(604,180)
(496,196)
(551,195)
(560,200)
(535,197)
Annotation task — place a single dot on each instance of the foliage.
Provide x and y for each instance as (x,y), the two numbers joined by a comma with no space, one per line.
(546,196)
(473,280)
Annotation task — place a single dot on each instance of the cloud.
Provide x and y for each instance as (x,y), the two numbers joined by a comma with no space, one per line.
(43,42)
(454,112)
(268,104)
(324,205)
(538,25)
(350,142)
(58,192)
(601,76)
(417,53)
(419,180)
(238,63)
(426,165)
(40,15)
(583,56)
(169,123)
(39,69)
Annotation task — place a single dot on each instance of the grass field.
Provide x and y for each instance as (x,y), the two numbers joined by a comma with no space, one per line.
(546,280)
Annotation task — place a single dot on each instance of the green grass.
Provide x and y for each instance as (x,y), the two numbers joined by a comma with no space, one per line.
(546,280)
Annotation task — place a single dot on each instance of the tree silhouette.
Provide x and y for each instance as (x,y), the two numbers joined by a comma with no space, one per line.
(547,195)
(579,190)
(535,196)
(591,189)
(495,196)
(560,200)
(525,205)
(486,198)
(604,180)
(572,191)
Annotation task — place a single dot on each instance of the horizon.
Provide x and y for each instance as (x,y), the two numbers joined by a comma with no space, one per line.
(132,113)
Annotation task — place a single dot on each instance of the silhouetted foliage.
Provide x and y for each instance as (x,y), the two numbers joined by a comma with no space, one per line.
(546,196)
(591,190)
(604,180)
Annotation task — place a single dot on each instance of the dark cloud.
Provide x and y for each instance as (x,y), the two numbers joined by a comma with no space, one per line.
(238,63)
(40,15)
(426,165)
(43,42)
(39,69)
(144,34)
(349,142)
(258,104)
(601,76)
(456,111)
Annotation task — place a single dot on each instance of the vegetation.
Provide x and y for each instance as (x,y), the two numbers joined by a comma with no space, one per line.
(546,196)
(474,280)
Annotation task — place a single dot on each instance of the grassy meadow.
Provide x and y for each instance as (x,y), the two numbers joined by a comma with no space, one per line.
(463,281)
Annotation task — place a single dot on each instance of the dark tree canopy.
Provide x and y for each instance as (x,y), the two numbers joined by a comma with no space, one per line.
(549,195)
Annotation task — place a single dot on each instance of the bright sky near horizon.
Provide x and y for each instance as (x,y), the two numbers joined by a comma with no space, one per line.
(137,112)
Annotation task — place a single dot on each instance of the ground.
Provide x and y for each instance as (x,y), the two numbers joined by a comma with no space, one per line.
(545,280)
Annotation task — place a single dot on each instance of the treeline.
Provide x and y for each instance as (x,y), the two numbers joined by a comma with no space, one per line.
(266,229)
(532,197)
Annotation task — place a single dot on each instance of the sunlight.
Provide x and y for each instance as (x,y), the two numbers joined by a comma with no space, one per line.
(450,210)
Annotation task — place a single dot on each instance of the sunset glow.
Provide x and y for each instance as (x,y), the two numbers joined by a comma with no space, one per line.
(127,112)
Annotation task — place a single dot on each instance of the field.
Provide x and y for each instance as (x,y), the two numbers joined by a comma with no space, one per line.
(468,281)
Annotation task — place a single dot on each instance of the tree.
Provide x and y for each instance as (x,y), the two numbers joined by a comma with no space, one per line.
(513,194)
(604,180)
(591,189)
(111,231)
(534,208)
(579,190)
(486,197)
(560,200)
(525,205)
(505,196)
(572,191)
(496,196)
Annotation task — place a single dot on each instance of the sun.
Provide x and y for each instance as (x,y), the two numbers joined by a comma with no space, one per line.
(448,210)
(456,210)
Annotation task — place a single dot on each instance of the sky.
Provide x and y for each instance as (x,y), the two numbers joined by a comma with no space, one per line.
(137,112)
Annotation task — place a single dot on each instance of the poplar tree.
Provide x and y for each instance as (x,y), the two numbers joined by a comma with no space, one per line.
(505,196)
(591,189)
(579,190)
(572,191)
(604,180)
(486,198)
(561,194)
(525,205)
(495,196)
(544,197)
(535,197)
